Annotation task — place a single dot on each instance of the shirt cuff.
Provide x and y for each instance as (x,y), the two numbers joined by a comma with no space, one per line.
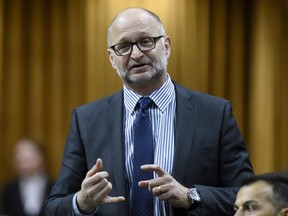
(76,211)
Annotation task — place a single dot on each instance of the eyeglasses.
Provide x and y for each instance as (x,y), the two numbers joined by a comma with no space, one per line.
(145,44)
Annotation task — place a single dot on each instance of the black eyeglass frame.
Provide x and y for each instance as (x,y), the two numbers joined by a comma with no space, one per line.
(155,39)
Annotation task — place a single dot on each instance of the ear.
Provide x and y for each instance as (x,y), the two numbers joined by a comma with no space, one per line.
(284,212)
(168,46)
(111,58)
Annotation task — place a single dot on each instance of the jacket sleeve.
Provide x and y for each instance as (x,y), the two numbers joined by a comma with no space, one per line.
(217,157)
(233,165)
(72,173)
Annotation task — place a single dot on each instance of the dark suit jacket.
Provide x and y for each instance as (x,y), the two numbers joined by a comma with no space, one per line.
(209,152)
(11,199)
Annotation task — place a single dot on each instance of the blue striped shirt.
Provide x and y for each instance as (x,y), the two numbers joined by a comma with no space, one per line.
(162,115)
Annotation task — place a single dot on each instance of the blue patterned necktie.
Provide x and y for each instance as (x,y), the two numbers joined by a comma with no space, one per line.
(142,199)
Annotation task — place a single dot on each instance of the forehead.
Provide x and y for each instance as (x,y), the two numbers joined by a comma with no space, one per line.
(133,24)
(259,191)
(26,146)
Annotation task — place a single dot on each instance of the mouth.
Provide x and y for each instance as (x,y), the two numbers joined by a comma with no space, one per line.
(139,68)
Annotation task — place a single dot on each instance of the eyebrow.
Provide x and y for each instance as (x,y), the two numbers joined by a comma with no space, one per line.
(250,202)
(143,35)
(246,203)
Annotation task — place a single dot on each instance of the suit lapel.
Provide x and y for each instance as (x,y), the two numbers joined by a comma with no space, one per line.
(116,139)
(186,114)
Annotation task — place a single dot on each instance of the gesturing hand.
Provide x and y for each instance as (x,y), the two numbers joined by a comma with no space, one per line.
(165,187)
(94,189)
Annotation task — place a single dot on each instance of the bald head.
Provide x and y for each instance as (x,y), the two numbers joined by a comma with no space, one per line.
(132,17)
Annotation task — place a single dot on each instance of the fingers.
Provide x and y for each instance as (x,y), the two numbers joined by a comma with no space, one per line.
(158,190)
(156,187)
(162,185)
(95,177)
(144,184)
(152,167)
(109,199)
(99,164)
(96,168)
(96,187)
(99,194)
(151,183)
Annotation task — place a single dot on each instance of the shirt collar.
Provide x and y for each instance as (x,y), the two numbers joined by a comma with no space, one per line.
(161,97)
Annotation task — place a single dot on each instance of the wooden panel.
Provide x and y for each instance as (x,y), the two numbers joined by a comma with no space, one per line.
(2,145)
(35,80)
(218,50)
(12,123)
(262,104)
(236,74)
(53,57)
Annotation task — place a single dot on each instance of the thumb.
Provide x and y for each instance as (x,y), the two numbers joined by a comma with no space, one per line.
(96,168)
(99,164)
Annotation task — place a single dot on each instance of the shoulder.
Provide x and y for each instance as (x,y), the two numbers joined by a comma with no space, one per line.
(99,109)
(102,103)
(11,186)
(200,98)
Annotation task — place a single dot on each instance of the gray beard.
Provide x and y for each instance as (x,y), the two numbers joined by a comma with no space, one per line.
(159,67)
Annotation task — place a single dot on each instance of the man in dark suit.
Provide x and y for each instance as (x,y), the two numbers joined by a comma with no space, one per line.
(26,195)
(198,152)
(264,194)
(285,173)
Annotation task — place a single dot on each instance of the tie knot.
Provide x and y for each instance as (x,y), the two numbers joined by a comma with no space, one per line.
(145,103)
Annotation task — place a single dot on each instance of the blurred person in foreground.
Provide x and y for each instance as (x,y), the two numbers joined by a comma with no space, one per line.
(196,154)
(263,195)
(285,173)
(26,195)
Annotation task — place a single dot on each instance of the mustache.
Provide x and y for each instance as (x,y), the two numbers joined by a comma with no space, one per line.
(141,62)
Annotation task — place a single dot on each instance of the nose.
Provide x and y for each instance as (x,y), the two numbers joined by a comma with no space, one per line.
(136,52)
(237,213)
